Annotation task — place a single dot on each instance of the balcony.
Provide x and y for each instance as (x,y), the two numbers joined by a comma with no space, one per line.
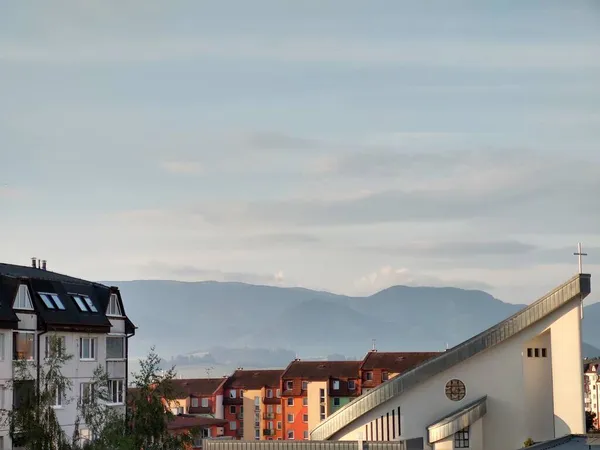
(268,432)
(271,400)
(240,415)
(268,415)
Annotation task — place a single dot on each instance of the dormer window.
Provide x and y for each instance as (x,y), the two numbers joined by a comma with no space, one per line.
(369,376)
(84,303)
(23,300)
(113,306)
(232,393)
(52,301)
(336,385)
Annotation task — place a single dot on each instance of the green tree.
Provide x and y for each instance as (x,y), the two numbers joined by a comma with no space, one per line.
(589,420)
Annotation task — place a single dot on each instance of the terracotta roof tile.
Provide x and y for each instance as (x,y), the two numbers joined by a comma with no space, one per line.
(199,387)
(183,422)
(321,370)
(395,362)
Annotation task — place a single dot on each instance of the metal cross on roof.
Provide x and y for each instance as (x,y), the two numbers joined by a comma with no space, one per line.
(579,254)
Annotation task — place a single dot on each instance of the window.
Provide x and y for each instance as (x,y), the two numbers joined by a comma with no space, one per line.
(2,398)
(55,346)
(304,401)
(336,401)
(278,394)
(336,385)
(256,402)
(305,434)
(52,300)
(351,385)
(232,393)
(536,352)
(269,393)
(115,347)
(231,409)
(290,418)
(80,303)
(304,385)
(241,393)
(289,385)
(544,354)
(369,376)
(385,376)
(461,438)
(58,397)
(113,306)
(257,435)
(233,426)
(321,395)
(204,402)
(23,394)
(270,424)
(279,425)
(23,300)
(23,345)
(278,409)
(455,390)
(194,402)
(1,346)
(115,391)
(87,349)
(305,418)
(290,435)
(529,352)
(85,435)
(90,304)
(290,401)
(86,392)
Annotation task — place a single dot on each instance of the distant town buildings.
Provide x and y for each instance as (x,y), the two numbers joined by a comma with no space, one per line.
(591,388)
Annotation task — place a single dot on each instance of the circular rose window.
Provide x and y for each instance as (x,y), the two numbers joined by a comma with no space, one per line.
(455,390)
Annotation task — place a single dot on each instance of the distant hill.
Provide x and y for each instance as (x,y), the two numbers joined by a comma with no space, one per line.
(265,326)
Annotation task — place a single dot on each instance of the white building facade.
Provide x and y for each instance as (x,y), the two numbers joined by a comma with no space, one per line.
(87,317)
(520,379)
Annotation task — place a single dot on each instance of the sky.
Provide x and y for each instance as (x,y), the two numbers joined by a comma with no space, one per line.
(331,144)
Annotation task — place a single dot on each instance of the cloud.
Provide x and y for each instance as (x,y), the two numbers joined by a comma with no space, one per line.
(278,239)
(9,193)
(192,273)
(389,276)
(182,167)
(456,249)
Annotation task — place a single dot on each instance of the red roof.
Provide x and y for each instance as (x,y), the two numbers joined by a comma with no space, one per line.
(198,387)
(321,370)
(395,362)
(183,422)
(254,379)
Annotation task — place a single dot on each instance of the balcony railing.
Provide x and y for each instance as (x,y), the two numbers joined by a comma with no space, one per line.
(268,415)
(269,432)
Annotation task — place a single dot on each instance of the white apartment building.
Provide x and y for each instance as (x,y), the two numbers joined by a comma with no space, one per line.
(592,388)
(88,317)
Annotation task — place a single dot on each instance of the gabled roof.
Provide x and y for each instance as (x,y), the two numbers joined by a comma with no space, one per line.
(395,362)
(321,370)
(576,289)
(254,379)
(187,422)
(198,387)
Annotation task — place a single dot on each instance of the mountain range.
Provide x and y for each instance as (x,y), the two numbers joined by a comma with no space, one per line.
(225,323)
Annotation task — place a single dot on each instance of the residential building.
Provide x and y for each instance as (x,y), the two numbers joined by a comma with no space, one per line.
(199,397)
(253,405)
(312,390)
(90,320)
(520,379)
(379,367)
(591,389)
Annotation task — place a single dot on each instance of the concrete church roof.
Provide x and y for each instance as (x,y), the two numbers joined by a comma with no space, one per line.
(577,288)
(457,420)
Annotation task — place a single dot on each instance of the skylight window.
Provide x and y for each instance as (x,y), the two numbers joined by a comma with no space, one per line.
(80,303)
(52,301)
(84,303)
(90,304)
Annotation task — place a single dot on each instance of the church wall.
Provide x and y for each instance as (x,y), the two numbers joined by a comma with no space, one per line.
(497,373)
(476,436)
(537,378)
(567,374)
(444,444)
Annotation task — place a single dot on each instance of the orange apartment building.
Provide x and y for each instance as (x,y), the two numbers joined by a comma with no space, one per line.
(312,390)
(253,405)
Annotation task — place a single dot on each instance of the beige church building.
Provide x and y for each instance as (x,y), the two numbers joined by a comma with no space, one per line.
(520,379)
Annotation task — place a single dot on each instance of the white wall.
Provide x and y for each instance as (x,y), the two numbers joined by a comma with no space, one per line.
(497,373)
(567,373)
(537,378)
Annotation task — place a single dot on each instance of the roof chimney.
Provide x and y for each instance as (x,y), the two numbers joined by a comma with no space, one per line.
(43,264)
(34,262)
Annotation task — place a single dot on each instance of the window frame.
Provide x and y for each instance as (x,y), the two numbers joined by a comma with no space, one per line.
(290,433)
(462,438)
(118,307)
(93,347)
(335,385)
(59,397)
(119,382)
(351,385)
(123,341)
(304,401)
(195,402)
(232,393)
(232,409)
(2,346)
(33,347)
(289,385)
(369,376)
(290,401)
(204,400)
(26,295)
(47,348)
(304,418)
(385,375)
(290,415)
(336,401)
(269,393)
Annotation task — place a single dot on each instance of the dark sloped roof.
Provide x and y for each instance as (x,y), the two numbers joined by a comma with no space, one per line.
(183,422)
(254,379)
(321,370)
(396,362)
(198,387)
(16,271)
(8,291)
